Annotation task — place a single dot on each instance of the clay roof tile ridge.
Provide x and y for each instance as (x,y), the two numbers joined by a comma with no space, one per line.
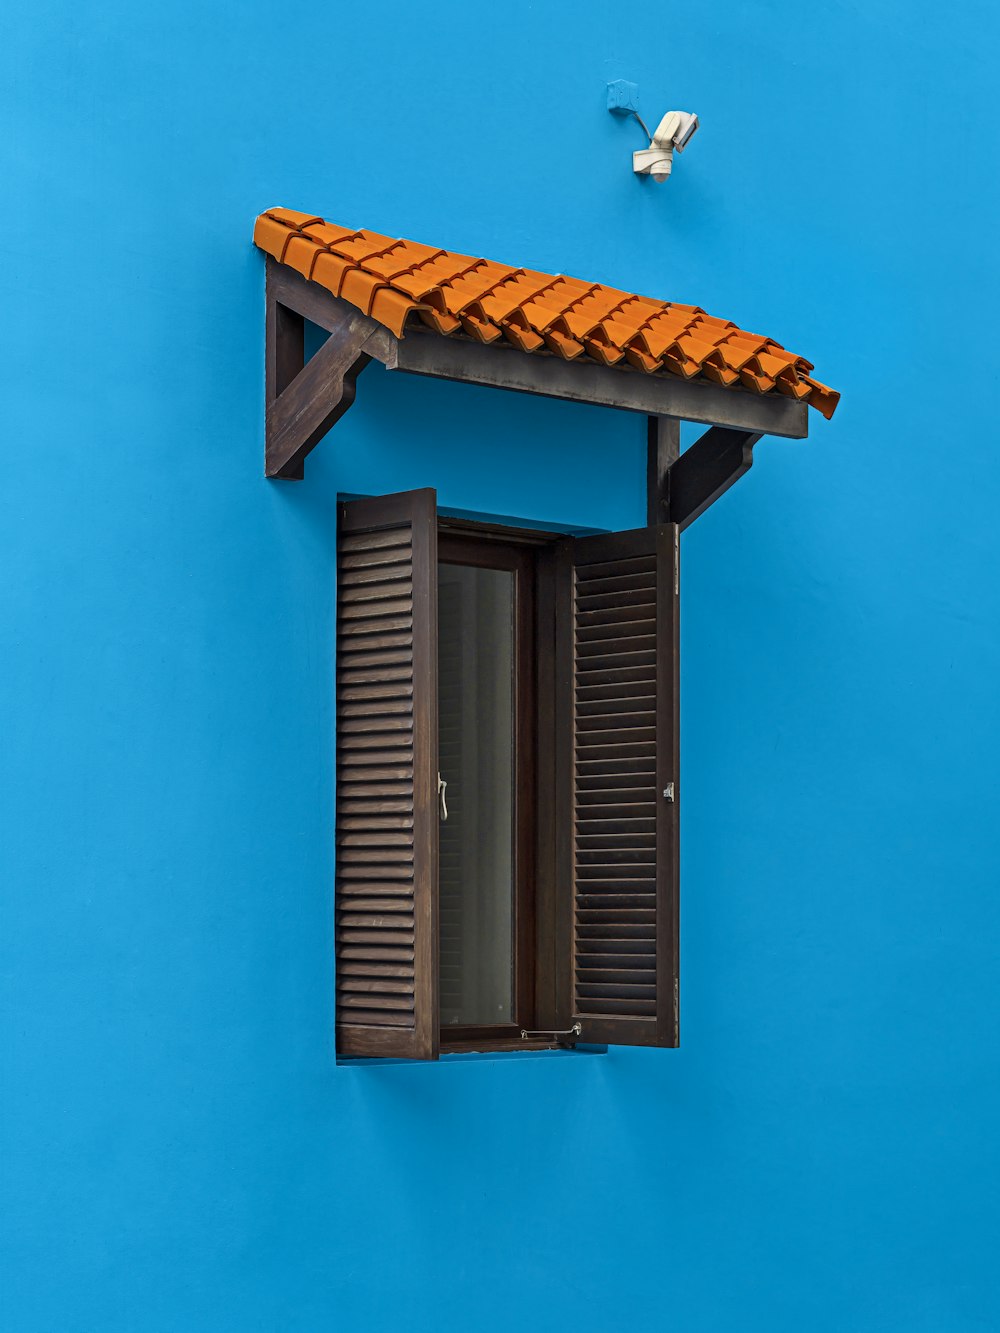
(537,311)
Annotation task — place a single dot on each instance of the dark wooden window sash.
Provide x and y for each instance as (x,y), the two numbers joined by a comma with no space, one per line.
(496,551)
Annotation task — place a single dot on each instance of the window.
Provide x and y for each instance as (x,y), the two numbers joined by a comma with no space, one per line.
(506,784)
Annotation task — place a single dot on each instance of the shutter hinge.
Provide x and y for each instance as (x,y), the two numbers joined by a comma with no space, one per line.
(677,563)
(668,792)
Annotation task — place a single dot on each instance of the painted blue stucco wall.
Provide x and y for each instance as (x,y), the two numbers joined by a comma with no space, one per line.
(179,1150)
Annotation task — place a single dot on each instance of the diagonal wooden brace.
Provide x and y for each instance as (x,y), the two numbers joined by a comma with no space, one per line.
(681,486)
(304,399)
(707,469)
(306,409)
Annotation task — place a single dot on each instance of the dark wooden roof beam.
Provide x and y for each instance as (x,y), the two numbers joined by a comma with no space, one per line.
(504,367)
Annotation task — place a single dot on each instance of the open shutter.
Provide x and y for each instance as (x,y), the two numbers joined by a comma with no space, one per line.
(387,820)
(618,703)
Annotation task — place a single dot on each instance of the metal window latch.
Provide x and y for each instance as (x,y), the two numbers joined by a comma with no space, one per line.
(442,802)
(668,792)
(574,1031)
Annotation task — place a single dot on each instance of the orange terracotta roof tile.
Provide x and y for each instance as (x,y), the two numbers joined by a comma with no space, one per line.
(395,281)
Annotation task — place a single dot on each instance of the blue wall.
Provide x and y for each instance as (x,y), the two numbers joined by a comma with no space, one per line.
(179,1150)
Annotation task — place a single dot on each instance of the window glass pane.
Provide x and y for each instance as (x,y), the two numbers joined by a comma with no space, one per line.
(476,707)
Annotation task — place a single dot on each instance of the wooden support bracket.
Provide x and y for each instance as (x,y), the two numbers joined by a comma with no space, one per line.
(303,398)
(681,486)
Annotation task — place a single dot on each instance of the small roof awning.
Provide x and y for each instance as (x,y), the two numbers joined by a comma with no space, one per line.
(399,282)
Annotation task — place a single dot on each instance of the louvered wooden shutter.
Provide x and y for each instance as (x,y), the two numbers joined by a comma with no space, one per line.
(387,820)
(617,667)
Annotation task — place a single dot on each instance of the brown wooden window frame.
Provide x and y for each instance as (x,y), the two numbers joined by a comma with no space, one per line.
(390,944)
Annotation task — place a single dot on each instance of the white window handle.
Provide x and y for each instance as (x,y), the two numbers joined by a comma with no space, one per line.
(442,802)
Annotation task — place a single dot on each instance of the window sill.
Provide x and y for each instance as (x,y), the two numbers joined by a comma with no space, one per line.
(455,1053)
(504,1045)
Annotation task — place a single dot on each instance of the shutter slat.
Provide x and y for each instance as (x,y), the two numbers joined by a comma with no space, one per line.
(595,990)
(383,874)
(591,572)
(627,1008)
(641,768)
(375,676)
(376,654)
(399,621)
(369,691)
(600,827)
(368,733)
(595,730)
(384,903)
(358,810)
(375,837)
(359,787)
(377,936)
(600,947)
(366,641)
(387,773)
(590,859)
(607,976)
(616,782)
(398,955)
(614,587)
(400,920)
(623,961)
(616,696)
(372,1031)
(613,613)
(381,573)
(370,1001)
(374,593)
(353,985)
(386,838)
(399,756)
(624,916)
(377,608)
(621,603)
(605,881)
(372,854)
(363,544)
(610,931)
(587,901)
(347,967)
(610,664)
(362,890)
(594,635)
